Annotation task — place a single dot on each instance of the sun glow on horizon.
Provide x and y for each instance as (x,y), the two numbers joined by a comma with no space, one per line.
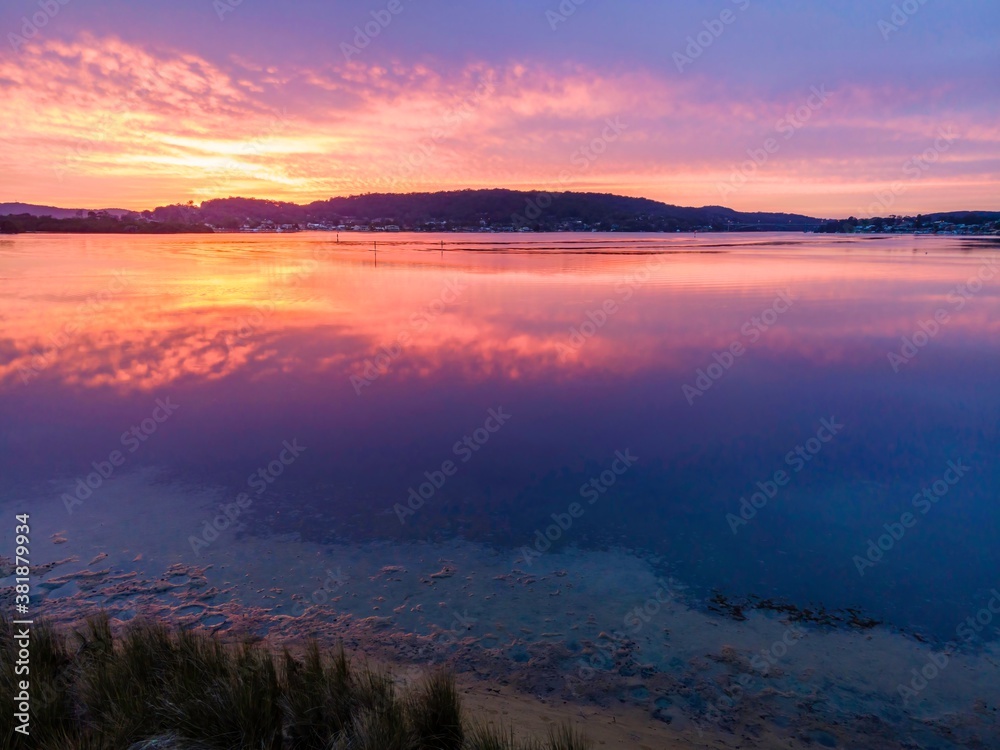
(127,127)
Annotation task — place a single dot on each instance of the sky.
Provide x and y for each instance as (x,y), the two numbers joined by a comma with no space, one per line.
(829,108)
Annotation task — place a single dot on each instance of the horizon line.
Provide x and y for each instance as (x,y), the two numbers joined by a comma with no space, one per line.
(504,189)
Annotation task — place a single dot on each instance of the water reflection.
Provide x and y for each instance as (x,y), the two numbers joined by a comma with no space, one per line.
(380,362)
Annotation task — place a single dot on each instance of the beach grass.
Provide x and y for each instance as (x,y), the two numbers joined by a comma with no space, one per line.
(146,686)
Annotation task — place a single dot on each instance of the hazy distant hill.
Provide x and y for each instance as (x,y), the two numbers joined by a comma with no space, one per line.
(7,209)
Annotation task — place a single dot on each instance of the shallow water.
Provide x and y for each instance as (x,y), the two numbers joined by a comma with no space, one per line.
(708,359)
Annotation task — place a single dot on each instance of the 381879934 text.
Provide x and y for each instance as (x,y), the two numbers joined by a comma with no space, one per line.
(22,625)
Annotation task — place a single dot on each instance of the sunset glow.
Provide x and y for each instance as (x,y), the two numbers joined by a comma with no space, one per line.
(148,106)
(466,374)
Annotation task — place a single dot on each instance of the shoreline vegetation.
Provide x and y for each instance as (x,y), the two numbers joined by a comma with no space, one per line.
(14,225)
(24,224)
(470,211)
(151,687)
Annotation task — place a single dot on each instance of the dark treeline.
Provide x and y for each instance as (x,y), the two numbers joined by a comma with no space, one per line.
(94,225)
(976,222)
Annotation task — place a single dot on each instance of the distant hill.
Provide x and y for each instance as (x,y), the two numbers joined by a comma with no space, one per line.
(497,209)
(7,209)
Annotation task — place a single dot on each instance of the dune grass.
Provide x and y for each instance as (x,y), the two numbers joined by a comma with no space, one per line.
(149,687)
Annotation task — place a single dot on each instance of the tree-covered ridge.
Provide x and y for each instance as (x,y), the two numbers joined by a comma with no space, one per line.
(477,210)
(493,209)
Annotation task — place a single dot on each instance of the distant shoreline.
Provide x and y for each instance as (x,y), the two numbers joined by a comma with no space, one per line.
(25,224)
(201,229)
(468,211)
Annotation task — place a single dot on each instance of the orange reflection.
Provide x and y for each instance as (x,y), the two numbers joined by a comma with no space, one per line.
(139,313)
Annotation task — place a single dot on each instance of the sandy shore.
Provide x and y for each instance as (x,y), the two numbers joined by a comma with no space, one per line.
(622,727)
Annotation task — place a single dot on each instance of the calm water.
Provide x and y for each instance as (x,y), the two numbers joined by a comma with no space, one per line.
(381,364)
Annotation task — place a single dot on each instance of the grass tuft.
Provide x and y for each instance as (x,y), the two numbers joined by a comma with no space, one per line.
(565,737)
(436,714)
(153,688)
